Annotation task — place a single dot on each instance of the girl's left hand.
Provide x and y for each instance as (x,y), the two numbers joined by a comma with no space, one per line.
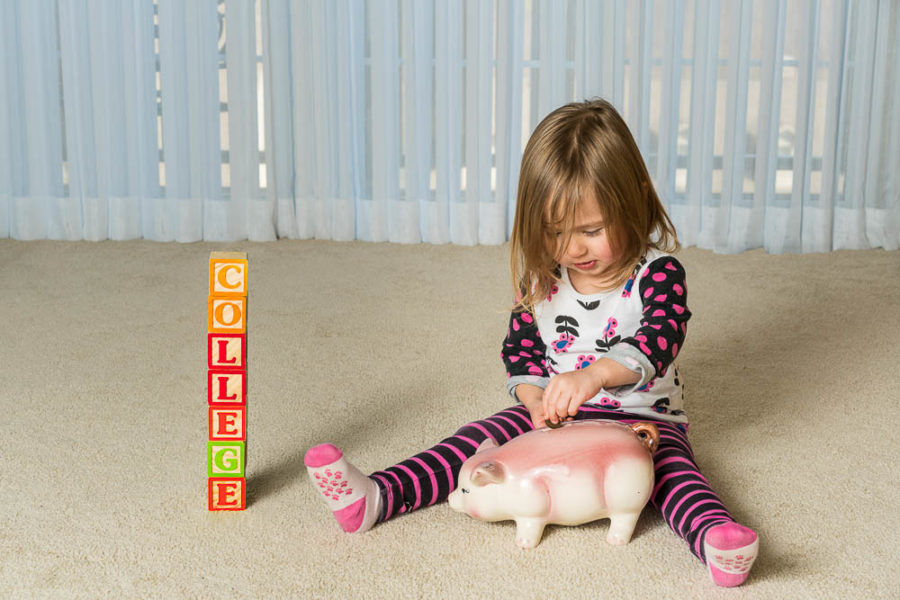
(568,391)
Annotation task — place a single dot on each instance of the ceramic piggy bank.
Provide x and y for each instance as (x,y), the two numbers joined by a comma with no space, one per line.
(580,472)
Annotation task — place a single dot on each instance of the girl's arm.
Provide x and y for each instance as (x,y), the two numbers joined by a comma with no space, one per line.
(664,320)
(523,354)
(637,359)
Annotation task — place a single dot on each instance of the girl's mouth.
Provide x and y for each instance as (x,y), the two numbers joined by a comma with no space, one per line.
(585,266)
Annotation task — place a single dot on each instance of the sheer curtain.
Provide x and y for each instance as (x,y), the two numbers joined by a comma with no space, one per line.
(764,123)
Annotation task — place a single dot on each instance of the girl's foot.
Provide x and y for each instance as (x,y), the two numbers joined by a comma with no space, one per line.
(730,551)
(353,498)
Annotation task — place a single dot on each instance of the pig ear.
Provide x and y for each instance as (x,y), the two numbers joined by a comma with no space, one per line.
(488,472)
(486,445)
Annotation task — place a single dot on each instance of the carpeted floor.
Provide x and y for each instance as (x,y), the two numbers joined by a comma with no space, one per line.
(792,383)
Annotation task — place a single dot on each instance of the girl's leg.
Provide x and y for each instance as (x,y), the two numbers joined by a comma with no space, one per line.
(694,511)
(690,506)
(423,480)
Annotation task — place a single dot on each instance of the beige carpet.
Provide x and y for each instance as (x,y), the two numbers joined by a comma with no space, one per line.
(792,384)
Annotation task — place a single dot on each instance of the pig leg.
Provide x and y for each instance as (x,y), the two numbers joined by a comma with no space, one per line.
(529,531)
(621,526)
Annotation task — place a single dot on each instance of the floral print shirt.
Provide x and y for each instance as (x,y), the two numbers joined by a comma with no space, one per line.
(641,325)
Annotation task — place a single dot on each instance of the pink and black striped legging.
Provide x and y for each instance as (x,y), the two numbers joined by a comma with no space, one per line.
(681,493)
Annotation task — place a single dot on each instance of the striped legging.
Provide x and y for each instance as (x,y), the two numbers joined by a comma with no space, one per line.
(681,493)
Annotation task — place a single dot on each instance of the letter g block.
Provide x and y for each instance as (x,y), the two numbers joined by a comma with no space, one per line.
(225,459)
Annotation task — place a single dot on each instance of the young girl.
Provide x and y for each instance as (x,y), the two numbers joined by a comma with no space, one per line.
(601,314)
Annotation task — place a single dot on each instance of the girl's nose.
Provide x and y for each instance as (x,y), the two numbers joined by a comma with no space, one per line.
(576,247)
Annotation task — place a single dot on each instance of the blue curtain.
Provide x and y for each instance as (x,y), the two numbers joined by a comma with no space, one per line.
(765,123)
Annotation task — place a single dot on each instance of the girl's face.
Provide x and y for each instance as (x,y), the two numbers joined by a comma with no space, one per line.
(588,253)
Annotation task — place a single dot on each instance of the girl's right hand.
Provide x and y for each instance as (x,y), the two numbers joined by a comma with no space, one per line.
(532,397)
(537,415)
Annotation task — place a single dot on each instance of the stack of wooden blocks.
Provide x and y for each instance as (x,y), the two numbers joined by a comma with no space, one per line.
(226,451)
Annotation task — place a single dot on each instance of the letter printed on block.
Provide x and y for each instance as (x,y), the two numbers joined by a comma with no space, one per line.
(228,274)
(227,423)
(227,315)
(226,387)
(227,350)
(225,459)
(227,493)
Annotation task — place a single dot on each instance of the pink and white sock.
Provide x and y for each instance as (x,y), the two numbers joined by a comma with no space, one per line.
(730,551)
(353,498)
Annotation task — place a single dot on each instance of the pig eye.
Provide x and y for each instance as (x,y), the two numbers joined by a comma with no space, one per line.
(464,490)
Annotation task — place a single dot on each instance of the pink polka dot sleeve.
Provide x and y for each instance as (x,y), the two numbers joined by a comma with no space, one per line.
(663,294)
(523,353)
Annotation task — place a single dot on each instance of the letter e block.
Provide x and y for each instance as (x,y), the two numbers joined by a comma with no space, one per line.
(225,459)
(227,350)
(226,387)
(227,423)
(228,274)
(227,493)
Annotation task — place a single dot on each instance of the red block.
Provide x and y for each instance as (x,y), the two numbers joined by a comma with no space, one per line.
(226,387)
(226,350)
(227,493)
(227,423)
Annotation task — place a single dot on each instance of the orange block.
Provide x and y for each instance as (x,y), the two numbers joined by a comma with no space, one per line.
(227,315)
(228,274)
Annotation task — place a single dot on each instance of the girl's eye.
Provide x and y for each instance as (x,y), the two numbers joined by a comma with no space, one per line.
(593,232)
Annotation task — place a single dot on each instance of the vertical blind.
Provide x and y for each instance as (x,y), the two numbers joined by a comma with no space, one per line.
(764,123)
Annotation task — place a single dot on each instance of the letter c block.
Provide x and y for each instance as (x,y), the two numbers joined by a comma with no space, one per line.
(228,274)
(227,493)
(225,459)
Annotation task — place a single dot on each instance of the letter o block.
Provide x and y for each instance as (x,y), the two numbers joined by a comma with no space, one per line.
(226,315)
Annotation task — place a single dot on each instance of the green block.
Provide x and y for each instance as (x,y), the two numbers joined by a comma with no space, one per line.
(225,459)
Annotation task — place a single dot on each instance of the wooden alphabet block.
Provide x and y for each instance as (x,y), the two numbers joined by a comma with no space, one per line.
(225,459)
(227,350)
(227,493)
(226,315)
(228,274)
(226,387)
(227,380)
(227,423)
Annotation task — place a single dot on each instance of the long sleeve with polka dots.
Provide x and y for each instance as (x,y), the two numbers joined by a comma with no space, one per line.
(664,315)
(523,353)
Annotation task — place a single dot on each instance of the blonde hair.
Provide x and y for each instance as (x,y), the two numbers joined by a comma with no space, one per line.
(581,151)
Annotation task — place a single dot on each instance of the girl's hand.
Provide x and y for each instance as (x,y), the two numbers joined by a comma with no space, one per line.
(568,391)
(530,397)
(537,415)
